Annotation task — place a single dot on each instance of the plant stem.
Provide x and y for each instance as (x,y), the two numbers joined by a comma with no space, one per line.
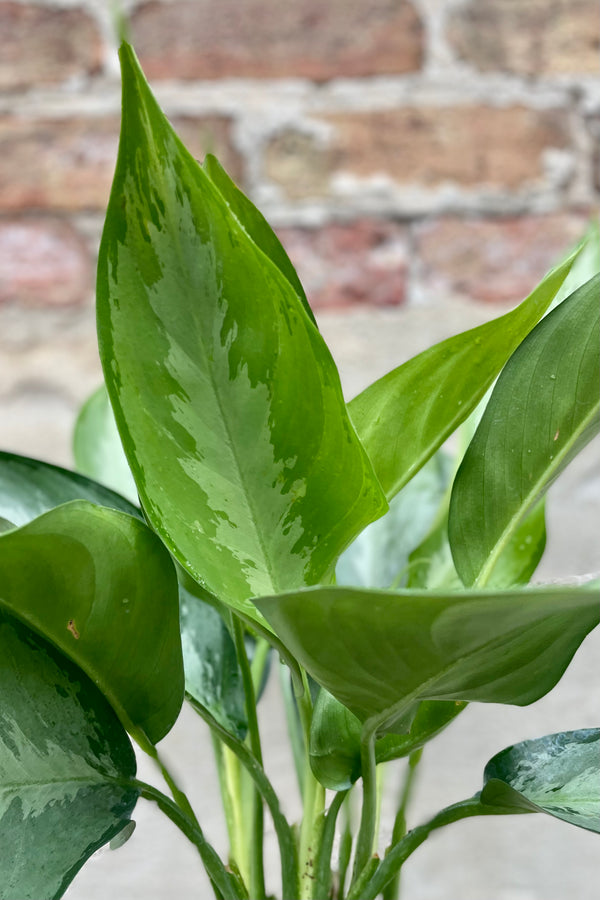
(366,832)
(313,802)
(222,882)
(293,725)
(259,661)
(239,837)
(178,795)
(322,885)
(392,888)
(345,853)
(399,853)
(257,875)
(287,843)
(356,890)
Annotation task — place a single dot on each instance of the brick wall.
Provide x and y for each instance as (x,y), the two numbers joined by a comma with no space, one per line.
(404,149)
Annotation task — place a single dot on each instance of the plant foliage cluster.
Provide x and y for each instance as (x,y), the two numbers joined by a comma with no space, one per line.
(269,519)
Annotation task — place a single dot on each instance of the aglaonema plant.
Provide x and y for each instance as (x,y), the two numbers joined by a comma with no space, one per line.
(251,483)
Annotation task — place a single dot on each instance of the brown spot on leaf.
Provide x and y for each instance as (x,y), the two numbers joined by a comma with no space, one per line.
(71,627)
(557,434)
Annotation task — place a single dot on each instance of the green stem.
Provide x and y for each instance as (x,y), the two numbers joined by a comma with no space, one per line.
(178,795)
(345,851)
(356,890)
(392,888)
(285,836)
(226,795)
(293,725)
(223,884)
(259,661)
(257,875)
(368,820)
(322,886)
(399,853)
(313,802)
(239,837)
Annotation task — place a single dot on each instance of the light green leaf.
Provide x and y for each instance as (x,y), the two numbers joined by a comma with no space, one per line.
(586,265)
(544,409)
(101,587)
(97,446)
(380,652)
(379,556)
(255,224)
(30,487)
(66,768)
(558,774)
(335,738)
(226,398)
(405,416)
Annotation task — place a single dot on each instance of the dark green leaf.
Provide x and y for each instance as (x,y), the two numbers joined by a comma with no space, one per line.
(558,774)
(431,565)
(97,446)
(405,416)
(66,768)
(227,400)
(544,408)
(29,487)
(101,587)
(335,738)
(212,674)
(380,652)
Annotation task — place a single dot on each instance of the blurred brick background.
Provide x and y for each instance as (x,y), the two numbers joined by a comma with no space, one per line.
(404,148)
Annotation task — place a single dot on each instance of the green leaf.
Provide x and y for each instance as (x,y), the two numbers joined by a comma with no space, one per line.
(29,487)
(544,409)
(431,566)
(256,226)
(212,674)
(97,446)
(380,652)
(101,587)
(334,750)
(405,416)
(66,768)
(558,774)
(379,556)
(226,397)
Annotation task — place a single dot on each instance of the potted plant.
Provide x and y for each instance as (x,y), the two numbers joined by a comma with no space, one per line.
(255,481)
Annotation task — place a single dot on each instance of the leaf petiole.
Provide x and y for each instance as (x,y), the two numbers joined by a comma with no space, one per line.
(397,854)
(223,883)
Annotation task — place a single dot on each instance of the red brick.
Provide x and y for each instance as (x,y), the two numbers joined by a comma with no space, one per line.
(493,259)
(43,262)
(426,146)
(341,265)
(69,163)
(536,37)
(273,39)
(594,127)
(40,46)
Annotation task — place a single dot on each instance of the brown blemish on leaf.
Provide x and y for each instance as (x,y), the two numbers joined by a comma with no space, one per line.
(71,627)
(557,434)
